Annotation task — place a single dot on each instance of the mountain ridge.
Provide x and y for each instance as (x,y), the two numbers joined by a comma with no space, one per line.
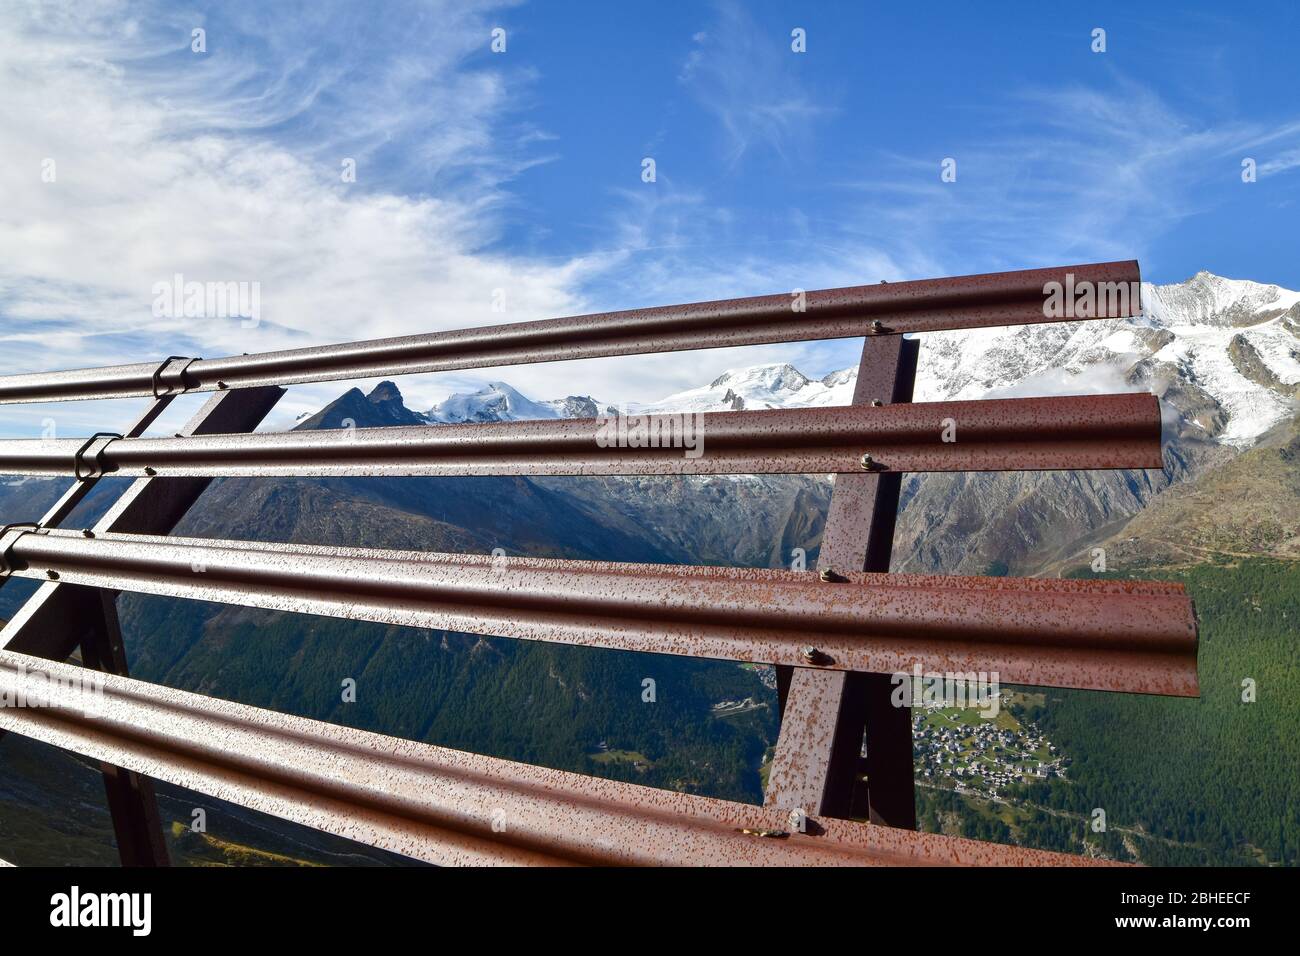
(1222,353)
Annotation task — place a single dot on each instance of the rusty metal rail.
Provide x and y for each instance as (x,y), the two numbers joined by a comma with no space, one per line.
(836,637)
(929,305)
(443,806)
(1103,635)
(1020,434)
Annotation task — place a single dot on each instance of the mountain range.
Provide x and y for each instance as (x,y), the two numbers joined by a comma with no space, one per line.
(1223,355)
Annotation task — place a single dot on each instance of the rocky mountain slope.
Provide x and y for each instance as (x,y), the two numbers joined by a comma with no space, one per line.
(1250,507)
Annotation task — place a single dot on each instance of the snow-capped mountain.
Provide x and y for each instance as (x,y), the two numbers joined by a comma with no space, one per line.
(1224,355)
(499,402)
(757,387)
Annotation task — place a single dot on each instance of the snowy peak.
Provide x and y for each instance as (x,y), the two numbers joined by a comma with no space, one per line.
(576,406)
(1222,352)
(495,402)
(778,377)
(499,402)
(1207,299)
(778,385)
(845,376)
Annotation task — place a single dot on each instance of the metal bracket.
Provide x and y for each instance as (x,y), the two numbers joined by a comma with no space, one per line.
(17,529)
(155,381)
(99,455)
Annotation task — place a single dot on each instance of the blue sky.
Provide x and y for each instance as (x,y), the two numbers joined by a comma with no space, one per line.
(515,177)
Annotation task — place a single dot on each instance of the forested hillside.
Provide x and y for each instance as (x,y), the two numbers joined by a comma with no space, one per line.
(570,708)
(1182,781)
(1216,775)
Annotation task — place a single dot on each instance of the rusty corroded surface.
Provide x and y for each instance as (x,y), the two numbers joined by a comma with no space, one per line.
(435,804)
(928,305)
(831,719)
(1105,635)
(1019,434)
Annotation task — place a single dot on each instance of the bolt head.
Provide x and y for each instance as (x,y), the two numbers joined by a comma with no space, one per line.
(868,462)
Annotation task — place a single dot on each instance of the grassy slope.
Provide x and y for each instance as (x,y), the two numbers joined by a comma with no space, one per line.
(1249,507)
(1204,781)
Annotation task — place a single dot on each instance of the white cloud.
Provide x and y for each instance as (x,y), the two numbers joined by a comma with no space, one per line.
(746,78)
(1280,163)
(172,162)
(1061,175)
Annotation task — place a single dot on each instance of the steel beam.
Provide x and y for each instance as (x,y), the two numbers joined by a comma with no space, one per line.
(78,490)
(431,803)
(132,805)
(1112,635)
(51,623)
(963,302)
(59,617)
(817,765)
(1019,434)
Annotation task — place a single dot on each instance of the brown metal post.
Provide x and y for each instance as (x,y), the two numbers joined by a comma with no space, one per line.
(131,801)
(818,765)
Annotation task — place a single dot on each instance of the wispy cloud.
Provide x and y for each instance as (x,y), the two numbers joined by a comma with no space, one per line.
(1064,174)
(226,165)
(1280,163)
(746,78)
